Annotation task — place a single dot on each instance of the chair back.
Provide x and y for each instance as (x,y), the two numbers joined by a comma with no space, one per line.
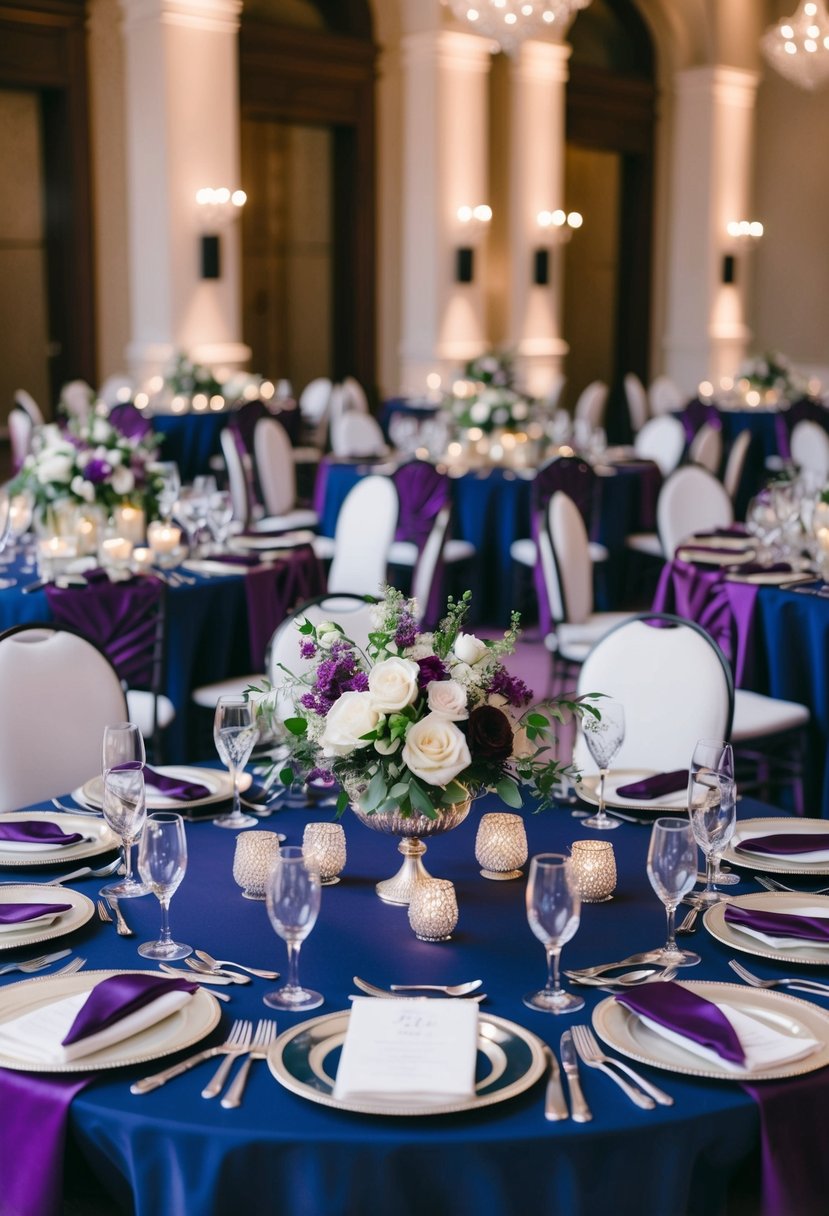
(664,397)
(571,474)
(273,458)
(661,440)
(57,693)
(736,463)
(364,532)
(810,447)
(426,577)
(706,448)
(356,434)
(239,478)
(354,396)
(314,399)
(21,430)
(76,397)
(571,551)
(244,420)
(422,491)
(674,683)
(26,402)
(691,500)
(637,400)
(590,406)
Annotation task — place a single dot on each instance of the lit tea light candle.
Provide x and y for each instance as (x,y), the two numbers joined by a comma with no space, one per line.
(53,555)
(116,550)
(594,866)
(324,845)
(501,845)
(20,514)
(130,523)
(163,539)
(142,560)
(433,910)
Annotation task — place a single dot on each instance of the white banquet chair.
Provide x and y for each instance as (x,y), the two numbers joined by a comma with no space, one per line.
(21,431)
(691,500)
(736,463)
(240,480)
(706,448)
(26,402)
(354,397)
(57,693)
(661,440)
(810,447)
(354,434)
(363,537)
(274,466)
(637,400)
(664,397)
(590,406)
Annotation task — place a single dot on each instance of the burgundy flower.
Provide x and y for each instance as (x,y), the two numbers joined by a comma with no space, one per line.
(489,733)
(431,668)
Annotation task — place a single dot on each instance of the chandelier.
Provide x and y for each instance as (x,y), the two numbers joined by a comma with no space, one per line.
(511,22)
(798,46)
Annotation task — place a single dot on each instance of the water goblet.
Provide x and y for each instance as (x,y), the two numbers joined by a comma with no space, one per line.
(123,745)
(235,731)
(168,481)
(125,811)
(711,808)
(5,532)
(716,755)
(604,736)
(672,870)
(553,908)
(162,861)
(219,516)
(293,899)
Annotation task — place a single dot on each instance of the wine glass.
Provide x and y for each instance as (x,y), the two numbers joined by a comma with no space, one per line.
(672,870)
(604,736)
(162,861)
(553,908)
(293,898)
(5,531)
(168,480)
(235,732)
(123,745)
(125,810)
(716,755)
(711,807)
(219,516)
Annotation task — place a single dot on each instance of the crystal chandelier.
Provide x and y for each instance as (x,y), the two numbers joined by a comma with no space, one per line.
(798,46)
(511,22)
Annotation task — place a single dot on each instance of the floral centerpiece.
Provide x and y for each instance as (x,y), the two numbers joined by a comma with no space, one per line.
(772,375)
(495,369)
(487,398)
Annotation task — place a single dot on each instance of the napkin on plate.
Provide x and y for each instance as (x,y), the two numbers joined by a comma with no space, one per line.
(810,926)
(787,846)
(759,568)
(657,786)
(21,916)
(85,1022)
(175,787)
(734,531)
(36,836)
(717,1031)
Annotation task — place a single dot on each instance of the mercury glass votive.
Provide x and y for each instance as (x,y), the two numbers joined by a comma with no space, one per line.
(324,844)
(594,865)
(501,845)
(433,910)
(253,861)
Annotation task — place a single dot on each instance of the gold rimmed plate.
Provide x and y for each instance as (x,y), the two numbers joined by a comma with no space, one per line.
(588,790)
(766,864)
(795,951)
(79,912)
(217,781)
(98,839)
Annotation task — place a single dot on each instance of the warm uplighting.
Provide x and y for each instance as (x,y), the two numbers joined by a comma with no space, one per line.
(798,46)
(217,207)
(433,382)
(472,223)
(511,22)
(266,390)
(556,228)
(217,403)
(705,389)
(141,401)
(744,230)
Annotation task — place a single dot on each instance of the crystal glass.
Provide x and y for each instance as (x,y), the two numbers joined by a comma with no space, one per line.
(123,745)
(553,908)
(125,810)
(168,480)
(716,755)
(235,732)
(253,861)
(219,516)
(672,870)
(433,910)
(162,862)
(604,736)
(712,809)
(501,845)
(293,898)
(5,532)
(324,846)
(192,508)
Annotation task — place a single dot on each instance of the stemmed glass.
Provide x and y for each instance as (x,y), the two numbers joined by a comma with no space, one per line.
(235,732)
(672,870)
(604,736)
(219,516)
(123,745)
(162,861)
(715,756)
(711,806)
(125,810)
(293,898)
(169,485)
(5,530)
(553,909)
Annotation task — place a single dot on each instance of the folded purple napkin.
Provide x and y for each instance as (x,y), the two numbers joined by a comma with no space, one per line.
(175,787)
(678,1009)
(656,786)
(785,842)
(236,559)
(38,831)
(18,914)
(118,996)
(733,530)
(779,924)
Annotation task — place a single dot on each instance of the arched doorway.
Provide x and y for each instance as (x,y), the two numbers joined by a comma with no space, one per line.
(307,144)
(611,99)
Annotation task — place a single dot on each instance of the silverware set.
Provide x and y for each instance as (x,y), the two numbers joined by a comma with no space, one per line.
(85,872)
(646,1096)
(241,1041)
(580,1044)
(419,991)
(772,884)
(30,965)
(121,926)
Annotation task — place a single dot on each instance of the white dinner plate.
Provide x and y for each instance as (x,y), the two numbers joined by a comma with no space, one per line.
(99,839)
(705,555)
(181,1029)
(284,540)
(588,790)
(736,543)
(775,865)
(218,782)
(79,913)
(770,901)
(772,578)
(621,1029)
(210,569)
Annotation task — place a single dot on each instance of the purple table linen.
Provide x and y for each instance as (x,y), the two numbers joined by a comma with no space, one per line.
(38,831)
(119,618)
(685,1012)
(19,914)
(794,1115)
(273,591)
(779,924)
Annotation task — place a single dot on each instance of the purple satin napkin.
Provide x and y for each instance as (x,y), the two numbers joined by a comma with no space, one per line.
(678,1009)
(779,924)
(38,831)
(734,530)
(175,787)
(117,997)
(656,786)
(785,843)
(18,914)
(236,559)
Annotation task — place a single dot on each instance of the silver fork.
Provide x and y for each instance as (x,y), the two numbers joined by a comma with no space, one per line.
(242,1044)
(265,1035)
(237,1031)
(121,926)
(772,884)
(587,1045)
(103,913)
(801,985)
(591,1061)
(34,964)
(70,968)
(85,872)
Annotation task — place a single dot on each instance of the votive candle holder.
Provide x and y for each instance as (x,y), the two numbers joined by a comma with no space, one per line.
(594,865)
(256,853)
(501,846)
(433,910)
(324,845)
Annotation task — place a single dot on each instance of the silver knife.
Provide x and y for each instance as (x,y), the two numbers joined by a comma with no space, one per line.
(555,1106)
(581,1111)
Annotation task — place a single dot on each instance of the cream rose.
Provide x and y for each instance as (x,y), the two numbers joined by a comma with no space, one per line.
(470,649)
(435,750)
(392,684)
(351,716)
(448,697)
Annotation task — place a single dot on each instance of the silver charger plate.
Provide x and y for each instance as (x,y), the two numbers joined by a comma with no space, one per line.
(626,1033)
(100,839)
(773,865)
(181,1029)
(82,909)
(218,782)
(588,790)
(769,901)
(511,1059)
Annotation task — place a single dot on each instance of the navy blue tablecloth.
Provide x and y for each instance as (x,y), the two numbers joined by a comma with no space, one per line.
(190,440)
(171,1151)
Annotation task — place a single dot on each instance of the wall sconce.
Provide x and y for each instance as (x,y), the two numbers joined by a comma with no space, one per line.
(742,236)
(472,223)
(217,209)
(557,227)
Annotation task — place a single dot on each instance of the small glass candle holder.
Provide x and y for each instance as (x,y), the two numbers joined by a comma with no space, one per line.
(501,846)
(433,910)
(253,861)
(165,542)
(324,845)
(594,865)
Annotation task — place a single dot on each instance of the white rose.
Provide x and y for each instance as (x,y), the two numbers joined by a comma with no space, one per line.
(114,457)
(100,431)
(393,684)
(350,717)
(123,480)
(448,697)
(51,436)
(328,634)
(435,750)
(470,649)
(55,467)
(83,489)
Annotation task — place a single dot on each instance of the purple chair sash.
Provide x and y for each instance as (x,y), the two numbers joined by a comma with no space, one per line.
(120,618)
(574,477)
(38,831)
(685,1012)
(779,924)
(422,492)
(18,914)
(272,591)
(695,414)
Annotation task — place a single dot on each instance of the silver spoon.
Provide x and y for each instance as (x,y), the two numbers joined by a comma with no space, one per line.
(86,872)
(235,977)
(215,963)
(448,989)
(629,980)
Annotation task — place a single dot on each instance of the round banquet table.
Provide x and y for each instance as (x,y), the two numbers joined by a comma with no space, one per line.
(171,1151)
(190,440)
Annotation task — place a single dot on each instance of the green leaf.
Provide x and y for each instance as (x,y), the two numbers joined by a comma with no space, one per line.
(421,801)
(376,791)
(286,776)
(508,792)
(296,726)
(454,792)
(400,790)
(537,720)
(342,802)
(305,627)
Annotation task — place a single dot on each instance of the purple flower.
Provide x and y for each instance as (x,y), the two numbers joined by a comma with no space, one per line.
(97,471)
(406,632)
(307,648)
(513,688)
(431,668)
(338,673)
